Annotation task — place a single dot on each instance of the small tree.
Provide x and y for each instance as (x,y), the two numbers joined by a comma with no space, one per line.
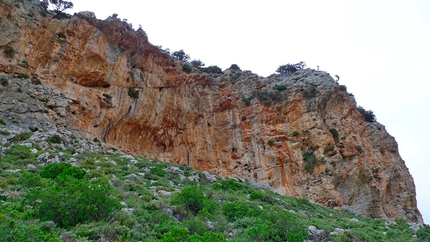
(181,55)
(290,68)
(212,69)
(197,63)
(235,67)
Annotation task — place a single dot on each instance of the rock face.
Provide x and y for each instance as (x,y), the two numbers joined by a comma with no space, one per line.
(302,134)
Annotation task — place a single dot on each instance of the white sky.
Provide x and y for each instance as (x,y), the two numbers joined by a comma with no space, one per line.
(379,48)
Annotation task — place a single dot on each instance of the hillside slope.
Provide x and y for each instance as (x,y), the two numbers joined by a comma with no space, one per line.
(307,140)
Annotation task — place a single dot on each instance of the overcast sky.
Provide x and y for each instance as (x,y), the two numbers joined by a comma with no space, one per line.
(379,48)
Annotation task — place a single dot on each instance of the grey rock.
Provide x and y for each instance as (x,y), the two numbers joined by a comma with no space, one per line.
(354,220)
(261,185)
(209,176)
(415,226)
(30,167)
(347,208)
(43,158)
(67,237)
(390,223)
(318,235)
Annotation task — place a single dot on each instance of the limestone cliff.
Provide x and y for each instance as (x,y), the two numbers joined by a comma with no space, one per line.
(308,140)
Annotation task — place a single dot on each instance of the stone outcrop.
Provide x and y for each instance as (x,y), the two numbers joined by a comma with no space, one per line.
(302,134)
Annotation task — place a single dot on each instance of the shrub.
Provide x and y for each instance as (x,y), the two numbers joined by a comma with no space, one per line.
(69,201)
(197,64)
(181,55)
(255,195)
(212,69)
(56,139)
(9,51)
(18,152)
(23,76)
(229,184)
(2,122)
(235,211)
(4,81)
(271,142)
(266,97)
(247,100)
(4,132)
(191,197)
(367,114)
(281,87)
(158,172)
(133,93)
(310,161)
(24,64)
(22,136)
(295,133)
(290,68)
(186,67)
(52,171)
(335,135)
(235,67)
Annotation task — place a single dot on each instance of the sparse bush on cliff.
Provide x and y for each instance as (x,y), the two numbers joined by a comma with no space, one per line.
(335,134)
(290,68)
(181,55)
(2,122)
(266,97)
(212,69)
(235,67)
(310,161)
(133,93)
(186,68)
(197,64)
(9,51)
(4,81)
(281,87)
(367,114)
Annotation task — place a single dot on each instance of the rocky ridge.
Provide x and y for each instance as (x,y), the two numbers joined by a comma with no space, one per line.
(104,80)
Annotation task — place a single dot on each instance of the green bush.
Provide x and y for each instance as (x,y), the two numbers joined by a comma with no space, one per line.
(255,195)
(52,171)
(295,133)
(133,93)
(229,184)
(191,197)
(281,87)
(69,201)
(4,81)
(24,64)
(22,136)
(56,139)
(367,114)
(310,161)
(9,51)
(2,122)
(158,172)
(235,67)
(236,210)
(23,76)
(271,142)
(247,101)
(186,67)
(18,152)
(212,69)
(335,134)
(4,132)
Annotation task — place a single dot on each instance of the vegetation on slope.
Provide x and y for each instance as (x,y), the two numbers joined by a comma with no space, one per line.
(119,197)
